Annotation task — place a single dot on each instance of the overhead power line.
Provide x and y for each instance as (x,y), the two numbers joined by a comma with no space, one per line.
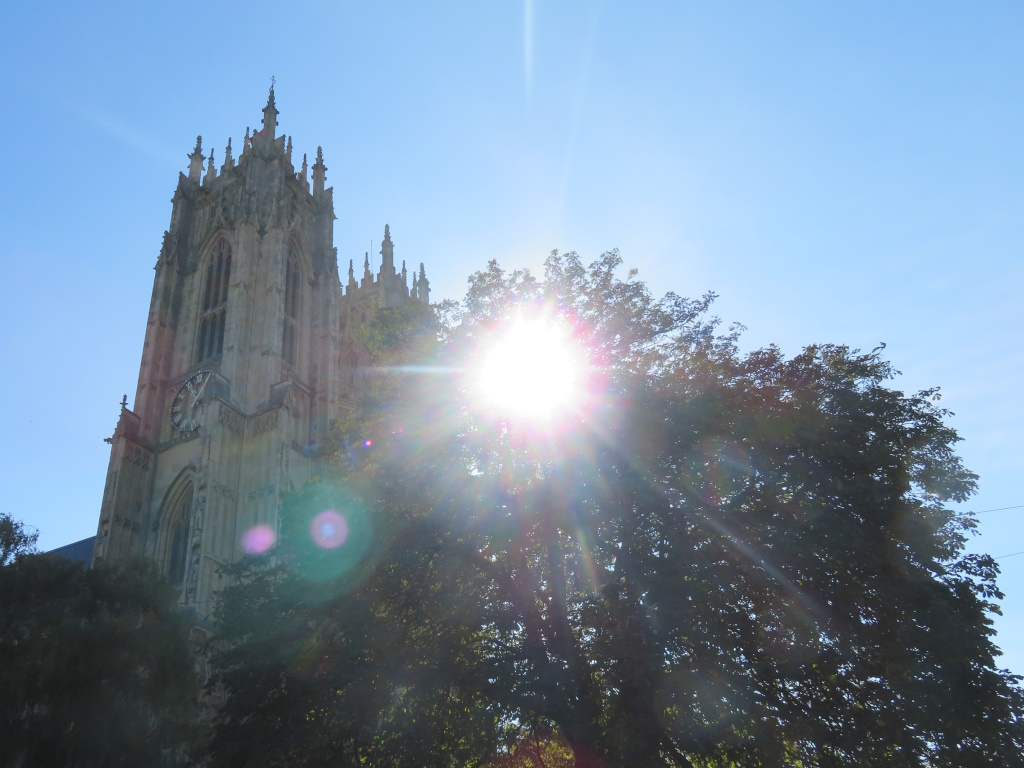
(1003,557)
(999,509)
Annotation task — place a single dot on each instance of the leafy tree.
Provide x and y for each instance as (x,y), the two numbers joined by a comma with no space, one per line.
(365,652)
(95,666)
(721,558)
(538,747)
(359,642)
(14,541)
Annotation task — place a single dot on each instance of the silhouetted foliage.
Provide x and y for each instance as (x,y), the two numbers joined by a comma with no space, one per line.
(364,653)
(718,559)
(14,540)
(95,666)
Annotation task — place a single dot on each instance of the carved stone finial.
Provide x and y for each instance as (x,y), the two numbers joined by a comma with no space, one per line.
(319,172)
(195,165)
(351,271)
(211,172)
(367,274)
(124,402)
(302,173)
(269,118)
(423,285)
(387,254)
(229,161)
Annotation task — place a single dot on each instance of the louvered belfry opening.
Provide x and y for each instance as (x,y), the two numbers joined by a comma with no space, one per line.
(291,310)
(213,311)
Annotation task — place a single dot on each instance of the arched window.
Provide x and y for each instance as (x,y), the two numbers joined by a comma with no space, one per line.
(292,299)
(213,311)
(177,516)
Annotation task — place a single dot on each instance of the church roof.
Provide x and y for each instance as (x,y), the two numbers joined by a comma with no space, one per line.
(77,552)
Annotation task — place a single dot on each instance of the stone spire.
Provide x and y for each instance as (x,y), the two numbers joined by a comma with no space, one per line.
(319,172)
(302,174)
(195,165)
(367,275)
(387,253)
(288,150)
(269,131)
(423,285)
(405,278)
(229,161)
(211,171)
(352,285)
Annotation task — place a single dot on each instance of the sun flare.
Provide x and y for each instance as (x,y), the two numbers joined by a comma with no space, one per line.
(534,370)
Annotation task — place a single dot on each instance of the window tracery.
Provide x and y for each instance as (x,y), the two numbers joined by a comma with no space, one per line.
(292,301)
(177,518)
(213,310)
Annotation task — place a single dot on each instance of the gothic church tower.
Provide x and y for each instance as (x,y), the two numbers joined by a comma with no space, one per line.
(249,355)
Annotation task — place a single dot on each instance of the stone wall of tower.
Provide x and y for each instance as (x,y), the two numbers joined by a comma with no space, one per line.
(263,419)
(185,496)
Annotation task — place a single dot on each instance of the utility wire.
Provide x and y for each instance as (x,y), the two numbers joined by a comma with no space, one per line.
(998,509)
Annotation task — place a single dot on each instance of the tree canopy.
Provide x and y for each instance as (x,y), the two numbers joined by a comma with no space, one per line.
(14,539)
(96,667)
(719,558)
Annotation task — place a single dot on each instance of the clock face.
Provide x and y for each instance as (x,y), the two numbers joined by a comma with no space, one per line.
(185,406)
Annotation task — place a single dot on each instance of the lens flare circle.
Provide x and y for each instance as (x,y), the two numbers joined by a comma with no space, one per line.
(329,529)
(534,369)
(258,539)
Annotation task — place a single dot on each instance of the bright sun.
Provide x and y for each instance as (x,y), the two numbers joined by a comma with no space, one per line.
(533,370)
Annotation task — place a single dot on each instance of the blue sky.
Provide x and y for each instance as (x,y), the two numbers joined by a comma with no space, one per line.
(846,174)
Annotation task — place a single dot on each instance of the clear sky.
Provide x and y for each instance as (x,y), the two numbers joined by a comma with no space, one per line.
(846,173)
